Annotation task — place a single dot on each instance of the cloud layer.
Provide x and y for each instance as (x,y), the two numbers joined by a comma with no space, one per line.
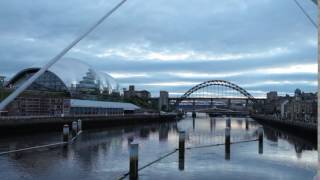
(170,45)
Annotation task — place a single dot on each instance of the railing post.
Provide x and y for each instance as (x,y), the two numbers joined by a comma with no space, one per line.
(65,133)
(227,143)
(247,124)
(228,122)
(260,135)
(182,137)
(74,128)
(133,166)
(79,125)
(193,124)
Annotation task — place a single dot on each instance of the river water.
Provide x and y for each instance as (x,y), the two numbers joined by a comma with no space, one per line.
(103,153)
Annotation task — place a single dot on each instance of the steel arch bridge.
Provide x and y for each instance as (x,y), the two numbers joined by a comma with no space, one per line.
(228,86)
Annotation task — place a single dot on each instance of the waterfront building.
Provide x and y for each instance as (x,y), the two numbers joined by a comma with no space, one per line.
(301,107)
(143,94)
(68,78)
(70,75)
(81,107)
(163,101)
(31,103)
(284,109)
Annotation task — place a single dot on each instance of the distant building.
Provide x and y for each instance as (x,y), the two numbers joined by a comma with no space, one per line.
(301,107)
(283,108)
(164,101)
(144,94)
(272,95)
(2,78)
(297,92)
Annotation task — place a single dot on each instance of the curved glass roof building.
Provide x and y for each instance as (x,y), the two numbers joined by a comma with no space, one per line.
(68,74)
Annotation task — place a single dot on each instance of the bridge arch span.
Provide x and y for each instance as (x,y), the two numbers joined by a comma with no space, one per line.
(217,83)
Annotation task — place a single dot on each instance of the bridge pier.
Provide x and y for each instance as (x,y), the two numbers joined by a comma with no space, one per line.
(182,137)
(247,124)
(193,124)
(260,137)
(227,143)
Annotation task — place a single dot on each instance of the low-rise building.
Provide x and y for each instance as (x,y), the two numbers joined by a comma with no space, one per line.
(80,107)
(163,101)
(144,94)
(272,95)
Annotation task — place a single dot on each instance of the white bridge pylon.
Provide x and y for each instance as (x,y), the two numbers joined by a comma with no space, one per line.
(27,83)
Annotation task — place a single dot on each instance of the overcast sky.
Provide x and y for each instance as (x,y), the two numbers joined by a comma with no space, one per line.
(261,45)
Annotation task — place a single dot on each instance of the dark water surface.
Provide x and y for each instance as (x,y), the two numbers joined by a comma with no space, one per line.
(103,154)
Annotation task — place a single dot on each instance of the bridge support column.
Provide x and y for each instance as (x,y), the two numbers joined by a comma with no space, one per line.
(260,137)
(182,137)
(227,143)
(247,103)
(211,103)
(133,166)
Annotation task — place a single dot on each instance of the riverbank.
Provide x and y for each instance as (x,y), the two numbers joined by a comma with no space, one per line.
(28,124)
(301,129)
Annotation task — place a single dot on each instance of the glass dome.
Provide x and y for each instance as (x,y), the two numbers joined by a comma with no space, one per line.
(73,73)
(76,73)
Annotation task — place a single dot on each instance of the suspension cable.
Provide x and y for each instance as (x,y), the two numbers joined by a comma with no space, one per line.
(306,14)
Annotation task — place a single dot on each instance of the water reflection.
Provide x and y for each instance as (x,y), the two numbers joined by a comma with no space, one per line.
(104,152)
(298,143)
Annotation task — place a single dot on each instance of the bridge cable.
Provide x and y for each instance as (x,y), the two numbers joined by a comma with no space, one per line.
(306,14)
(35,76)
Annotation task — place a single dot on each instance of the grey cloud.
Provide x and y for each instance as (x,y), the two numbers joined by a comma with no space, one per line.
(230,26)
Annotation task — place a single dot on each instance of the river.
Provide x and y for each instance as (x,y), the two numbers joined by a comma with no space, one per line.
(103,153)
